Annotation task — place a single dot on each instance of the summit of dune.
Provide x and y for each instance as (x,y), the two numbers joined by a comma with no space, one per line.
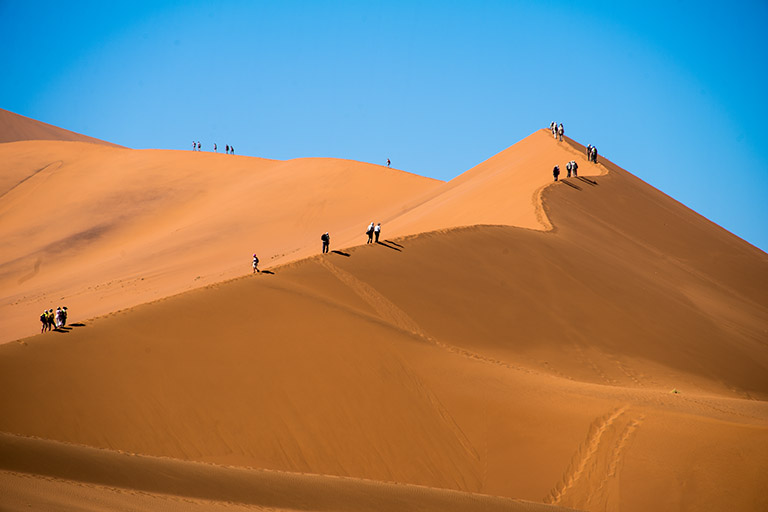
(509,338)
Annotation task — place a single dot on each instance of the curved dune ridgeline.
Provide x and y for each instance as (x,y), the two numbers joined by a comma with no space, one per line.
(508,340)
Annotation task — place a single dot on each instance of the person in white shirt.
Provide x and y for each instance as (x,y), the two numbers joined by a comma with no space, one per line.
(369,232)
(377,231)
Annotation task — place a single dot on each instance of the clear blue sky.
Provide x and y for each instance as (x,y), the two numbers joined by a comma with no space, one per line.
(674,92)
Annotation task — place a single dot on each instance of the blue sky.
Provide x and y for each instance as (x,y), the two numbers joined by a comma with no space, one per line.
(674,92)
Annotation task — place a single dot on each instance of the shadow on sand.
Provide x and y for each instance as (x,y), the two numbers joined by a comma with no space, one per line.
(385,243)
(570,184)
(394,243)
(341,253)
(586,180)
(268,272)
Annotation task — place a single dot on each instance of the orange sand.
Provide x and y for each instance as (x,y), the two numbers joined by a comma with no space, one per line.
(508,341)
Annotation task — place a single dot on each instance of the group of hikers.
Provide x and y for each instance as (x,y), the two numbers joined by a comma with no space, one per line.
(557,131)
(196,147)
(571,167)
(51,320)
(373,232)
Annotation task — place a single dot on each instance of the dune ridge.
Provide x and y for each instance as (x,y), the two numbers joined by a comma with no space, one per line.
(15,127)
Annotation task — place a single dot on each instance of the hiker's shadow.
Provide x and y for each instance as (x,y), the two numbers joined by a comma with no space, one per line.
(391,245)
(586,180)
(268,272)
(570,184)
(340,253)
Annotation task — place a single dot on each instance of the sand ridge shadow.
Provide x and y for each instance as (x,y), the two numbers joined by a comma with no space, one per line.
(395,244)
(267,272)
(341,253)
(586,180)
(570,184)
(386,244)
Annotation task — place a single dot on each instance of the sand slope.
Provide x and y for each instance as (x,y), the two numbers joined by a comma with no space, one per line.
(14,127)
(533,362)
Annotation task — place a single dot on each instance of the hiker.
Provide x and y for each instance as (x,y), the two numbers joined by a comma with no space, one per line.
(232,149)
(594,154)
(256,264)
(215,149)
(44,320)
(556,172)
(568,168)
(326,238)
(560,132)
(589,153)
(194,146)
(227,148)
(377,231)
(575,168)
(64,316)
(388,162)
(553,127)
(57,318)
(369,232)
(51,319)
(199,146)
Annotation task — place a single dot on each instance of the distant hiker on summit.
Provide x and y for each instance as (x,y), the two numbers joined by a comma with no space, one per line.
(326,238)
(593,156)
(560,131)
(369,232)
(556,172)
(388,162)
(553,128)
(256,264)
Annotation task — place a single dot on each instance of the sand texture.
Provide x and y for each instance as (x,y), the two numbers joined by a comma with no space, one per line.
(512,344)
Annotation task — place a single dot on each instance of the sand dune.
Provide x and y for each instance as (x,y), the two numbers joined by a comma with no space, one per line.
(14,127)
(532,359)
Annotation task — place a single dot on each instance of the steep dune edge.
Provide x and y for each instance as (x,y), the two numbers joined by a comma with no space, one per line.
(220,485)
(15,127)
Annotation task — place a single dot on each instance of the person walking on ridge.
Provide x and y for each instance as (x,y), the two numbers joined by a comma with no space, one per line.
(369,232)
(326,238)
(575,168)
(560,131)
(556,172)
(256,264)
(388,162)
(377,231)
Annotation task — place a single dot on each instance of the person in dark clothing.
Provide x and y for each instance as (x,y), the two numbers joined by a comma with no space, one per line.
(568,170)
(377,231)
(556,172)
(594,154)
(227,148)
(326,238)
(575,169)
(589,153)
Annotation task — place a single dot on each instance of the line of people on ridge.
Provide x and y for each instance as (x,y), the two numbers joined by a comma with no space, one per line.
(196,146)
(51,320)
(571,167)
(373,232)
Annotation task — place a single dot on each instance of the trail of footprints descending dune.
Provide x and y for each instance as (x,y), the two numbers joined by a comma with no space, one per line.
(392,314)
(586,481)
